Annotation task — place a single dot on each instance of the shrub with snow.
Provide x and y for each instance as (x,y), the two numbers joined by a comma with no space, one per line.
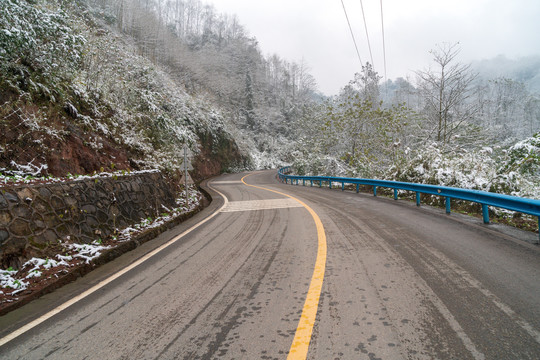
(524,157)
(38,47)
(503,172)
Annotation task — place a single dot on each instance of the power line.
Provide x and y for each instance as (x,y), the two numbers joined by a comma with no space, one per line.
(352,34)
(383,44)
(367,35)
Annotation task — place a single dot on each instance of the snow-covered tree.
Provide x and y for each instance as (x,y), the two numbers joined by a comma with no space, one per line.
(447,93)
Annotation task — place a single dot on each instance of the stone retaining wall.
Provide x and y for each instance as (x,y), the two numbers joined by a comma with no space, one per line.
(33,218)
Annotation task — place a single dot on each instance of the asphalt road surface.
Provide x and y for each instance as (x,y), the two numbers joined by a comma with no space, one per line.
(385,280)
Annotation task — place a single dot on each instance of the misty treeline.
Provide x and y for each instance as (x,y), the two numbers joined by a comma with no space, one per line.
(211,52)
(449,126)
(451,95)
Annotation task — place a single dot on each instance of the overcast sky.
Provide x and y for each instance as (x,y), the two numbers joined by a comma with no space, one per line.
(317,31)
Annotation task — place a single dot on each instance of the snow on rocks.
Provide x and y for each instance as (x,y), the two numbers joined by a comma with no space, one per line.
(194,200)
(9,282)
(87,252)
(9,177)
(44,263)
(37,272)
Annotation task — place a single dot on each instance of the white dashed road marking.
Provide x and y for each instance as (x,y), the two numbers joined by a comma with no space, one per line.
(226,182)
(251,205)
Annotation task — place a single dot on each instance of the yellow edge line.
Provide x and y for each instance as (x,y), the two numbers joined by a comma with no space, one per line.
(302,337)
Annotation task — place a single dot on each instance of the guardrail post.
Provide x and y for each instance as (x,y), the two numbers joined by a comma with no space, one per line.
(357,188)
(303,182)
(297,180)
(395,194)
(485,213)
(342,186)
(448,205)
(320,183)
(329,183)
(374,190)
(417,198)
(539,229)
(311,183)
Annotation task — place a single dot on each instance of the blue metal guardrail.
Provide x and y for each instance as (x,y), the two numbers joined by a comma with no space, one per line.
(514,203)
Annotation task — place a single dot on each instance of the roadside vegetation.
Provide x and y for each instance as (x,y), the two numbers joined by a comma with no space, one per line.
(471,133)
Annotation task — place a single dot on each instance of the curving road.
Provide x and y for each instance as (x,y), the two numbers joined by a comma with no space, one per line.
(400,282)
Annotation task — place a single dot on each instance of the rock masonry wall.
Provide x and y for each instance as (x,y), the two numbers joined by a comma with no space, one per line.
(34,217)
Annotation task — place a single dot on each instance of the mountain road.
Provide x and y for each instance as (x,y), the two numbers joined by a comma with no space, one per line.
(279,271)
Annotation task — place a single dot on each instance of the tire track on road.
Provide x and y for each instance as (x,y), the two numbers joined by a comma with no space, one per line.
(254,225)
(422,304)
(459,290)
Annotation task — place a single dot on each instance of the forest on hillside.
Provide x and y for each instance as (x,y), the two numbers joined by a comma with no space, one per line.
(261,97)
(452,127)
(147,76)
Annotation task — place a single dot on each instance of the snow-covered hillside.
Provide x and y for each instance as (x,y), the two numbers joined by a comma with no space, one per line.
(109,85)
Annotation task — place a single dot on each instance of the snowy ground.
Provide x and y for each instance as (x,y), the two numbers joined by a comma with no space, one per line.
(31,174)
(36,272)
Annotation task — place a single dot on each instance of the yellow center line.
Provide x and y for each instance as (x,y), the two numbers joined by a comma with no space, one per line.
(302,337)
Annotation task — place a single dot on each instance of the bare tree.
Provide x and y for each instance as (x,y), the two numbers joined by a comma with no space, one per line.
(447,92)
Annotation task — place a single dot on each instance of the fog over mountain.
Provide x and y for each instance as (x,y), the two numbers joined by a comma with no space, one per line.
(525,69)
